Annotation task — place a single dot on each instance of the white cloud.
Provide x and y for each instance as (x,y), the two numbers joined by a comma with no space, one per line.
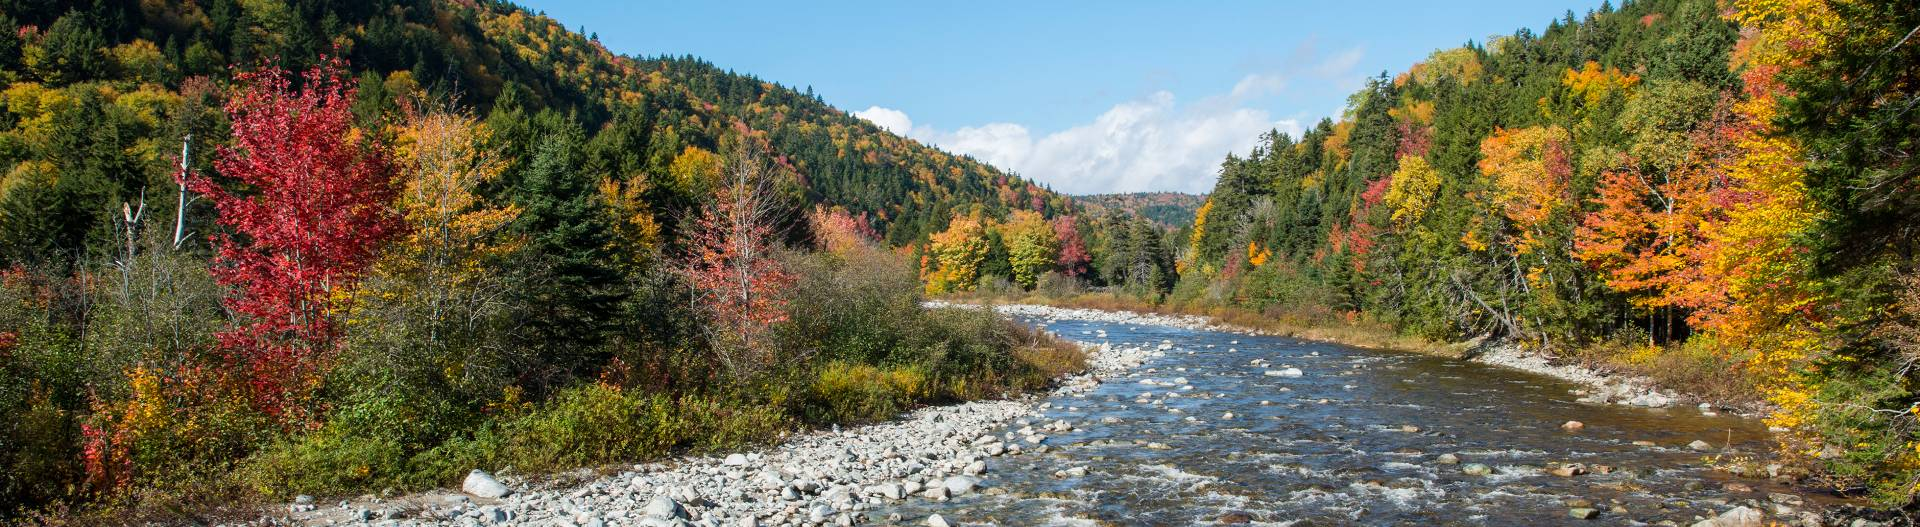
(1149,144)
(1256,85)
(1153,143)
(892,120)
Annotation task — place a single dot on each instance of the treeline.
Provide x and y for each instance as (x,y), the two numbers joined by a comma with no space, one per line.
(1721,196)
(261,248)
(1121,252)
(1171,209)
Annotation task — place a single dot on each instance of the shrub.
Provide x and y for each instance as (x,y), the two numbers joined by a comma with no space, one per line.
(1059,286)
(853,393)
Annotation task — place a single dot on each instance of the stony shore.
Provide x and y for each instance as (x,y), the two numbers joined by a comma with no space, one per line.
(827,477)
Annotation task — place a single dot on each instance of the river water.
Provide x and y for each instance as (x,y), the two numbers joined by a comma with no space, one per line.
(1356,439)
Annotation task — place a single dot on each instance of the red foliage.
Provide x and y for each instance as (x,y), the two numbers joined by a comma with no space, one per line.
(1073,256)
(838,231)
(733,274)
(313,209)
(1415,139)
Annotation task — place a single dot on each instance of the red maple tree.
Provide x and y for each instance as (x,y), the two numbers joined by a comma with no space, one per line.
(730,267)
(1073,255)
(311,207)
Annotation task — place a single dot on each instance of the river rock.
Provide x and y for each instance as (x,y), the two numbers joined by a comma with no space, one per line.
(960,485)
(1583,513)
(481,484)
(1236,518)
(1569,470)
(1738,517)
(1285,372)
(1476,469)
(664,508)
(1572,426)
(735,460)
(1447,459)
(937,521)
(892,491)
(1700,445)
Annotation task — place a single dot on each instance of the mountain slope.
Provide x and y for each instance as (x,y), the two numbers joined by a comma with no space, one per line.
(648,112)
(1169,209)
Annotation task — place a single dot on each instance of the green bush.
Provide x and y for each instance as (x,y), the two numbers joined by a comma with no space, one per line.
(852,393)
(411,442)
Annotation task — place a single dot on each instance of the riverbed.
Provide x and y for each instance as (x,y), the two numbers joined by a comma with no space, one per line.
(1217,427)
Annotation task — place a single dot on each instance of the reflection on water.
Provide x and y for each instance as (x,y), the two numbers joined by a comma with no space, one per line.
(1357,439)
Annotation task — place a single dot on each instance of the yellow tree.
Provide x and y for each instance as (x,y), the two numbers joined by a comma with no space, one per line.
(954,256)
(1773,310)
(435,286)
(1030,246)
(1529,169)
(635,230)
(1410,192)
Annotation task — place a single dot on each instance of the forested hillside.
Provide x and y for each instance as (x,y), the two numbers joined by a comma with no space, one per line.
(1721,195)
(1171,209)
(259,247)
(103,94)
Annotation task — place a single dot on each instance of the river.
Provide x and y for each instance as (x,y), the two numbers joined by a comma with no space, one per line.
(1203,432)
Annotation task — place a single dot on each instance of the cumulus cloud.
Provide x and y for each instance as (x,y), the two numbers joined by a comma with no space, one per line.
(1154,143)
(892,120)
(1157,142)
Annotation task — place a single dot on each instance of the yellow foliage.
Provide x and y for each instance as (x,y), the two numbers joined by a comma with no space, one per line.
(633,224)
(1199,226)
(696,170)
(1256,255)
(1460,64)
(1529,170)
(1592,84)
(443,160)
(1417,112)
(1411,190)
(956,255)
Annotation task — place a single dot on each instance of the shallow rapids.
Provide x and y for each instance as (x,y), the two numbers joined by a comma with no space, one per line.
(1216,428)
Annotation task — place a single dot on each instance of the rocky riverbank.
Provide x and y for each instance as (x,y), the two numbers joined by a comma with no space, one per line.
(827,477)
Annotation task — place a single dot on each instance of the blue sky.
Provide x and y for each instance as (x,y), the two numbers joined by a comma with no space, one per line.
(1085,97)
